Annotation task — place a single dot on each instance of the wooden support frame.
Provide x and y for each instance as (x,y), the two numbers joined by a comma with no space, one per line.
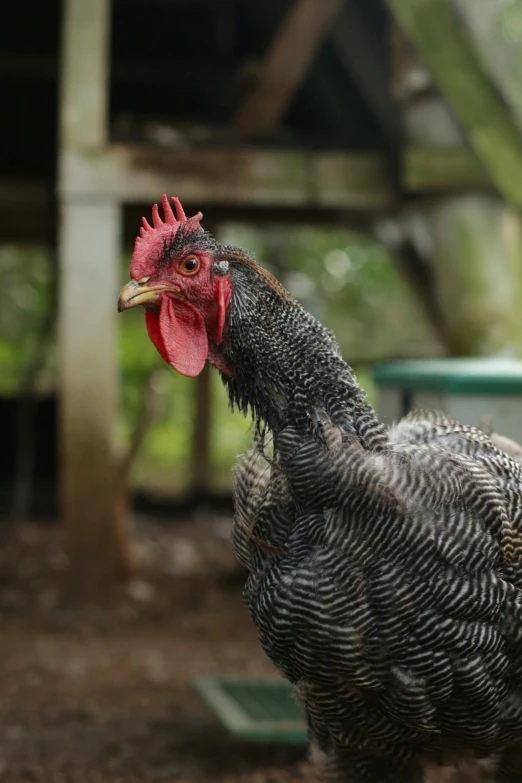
(442,170)
(84,72)
(494,30)
(437,32)
(90,238)
(285,65)
(251,192)
(242,177)
(89,245)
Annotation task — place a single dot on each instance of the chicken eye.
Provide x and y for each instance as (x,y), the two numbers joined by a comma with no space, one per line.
(190,265)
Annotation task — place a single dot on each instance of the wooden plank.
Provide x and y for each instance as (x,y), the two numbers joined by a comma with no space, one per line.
(495,29)
(285,65)
(318,90)
(433,26)
(260,216)
(84,73)
(442,169)
(234,177)
(352,181)
(343,183)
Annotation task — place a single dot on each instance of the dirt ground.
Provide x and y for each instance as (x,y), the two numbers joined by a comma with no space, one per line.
(103,693)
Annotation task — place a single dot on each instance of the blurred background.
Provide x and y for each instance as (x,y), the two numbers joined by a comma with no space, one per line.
(370,155)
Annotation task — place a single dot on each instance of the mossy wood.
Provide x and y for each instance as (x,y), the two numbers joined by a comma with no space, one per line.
(434,27)
(440,169)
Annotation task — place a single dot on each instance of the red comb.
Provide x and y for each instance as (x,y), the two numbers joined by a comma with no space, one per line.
(150,244)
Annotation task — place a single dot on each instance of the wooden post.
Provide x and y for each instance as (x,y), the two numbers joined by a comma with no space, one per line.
(286,63)
(495,29)
(84,74)
(89,250)
(435,29)
(90,236)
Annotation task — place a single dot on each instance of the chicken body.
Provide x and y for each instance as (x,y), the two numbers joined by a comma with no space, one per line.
(385,567)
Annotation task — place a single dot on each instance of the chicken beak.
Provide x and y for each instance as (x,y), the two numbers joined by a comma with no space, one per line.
(134,294)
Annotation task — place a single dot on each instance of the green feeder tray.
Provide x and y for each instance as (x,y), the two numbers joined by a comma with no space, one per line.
(494,376)
(254,710)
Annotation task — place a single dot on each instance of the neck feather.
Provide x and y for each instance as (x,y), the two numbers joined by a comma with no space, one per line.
(286,367)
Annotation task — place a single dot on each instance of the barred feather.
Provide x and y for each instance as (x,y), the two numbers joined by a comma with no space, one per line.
(385,568)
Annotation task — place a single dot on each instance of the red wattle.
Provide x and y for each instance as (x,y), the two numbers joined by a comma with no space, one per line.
(179,334)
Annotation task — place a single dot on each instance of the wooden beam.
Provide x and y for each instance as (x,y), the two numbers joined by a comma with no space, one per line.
(365,61)
(318,90)
(443,170)
(261,216)
(494,29)
(233,177)
(433,26)
(285,65)
(26,207)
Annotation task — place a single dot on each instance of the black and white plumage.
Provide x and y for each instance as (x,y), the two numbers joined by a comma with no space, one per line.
(385,567)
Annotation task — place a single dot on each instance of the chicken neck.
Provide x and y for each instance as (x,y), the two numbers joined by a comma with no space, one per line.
(286,367)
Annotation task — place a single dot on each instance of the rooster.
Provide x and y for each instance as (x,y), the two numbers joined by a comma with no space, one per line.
(384,566)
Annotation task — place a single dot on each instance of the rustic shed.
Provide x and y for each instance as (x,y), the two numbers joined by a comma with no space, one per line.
(281,110)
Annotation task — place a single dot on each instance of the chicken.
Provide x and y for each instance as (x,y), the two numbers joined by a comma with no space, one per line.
(384,566)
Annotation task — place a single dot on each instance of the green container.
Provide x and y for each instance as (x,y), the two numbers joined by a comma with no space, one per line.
(473,391)
(254,710)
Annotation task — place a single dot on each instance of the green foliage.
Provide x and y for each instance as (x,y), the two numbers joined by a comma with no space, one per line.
(27,283)
(350,283)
